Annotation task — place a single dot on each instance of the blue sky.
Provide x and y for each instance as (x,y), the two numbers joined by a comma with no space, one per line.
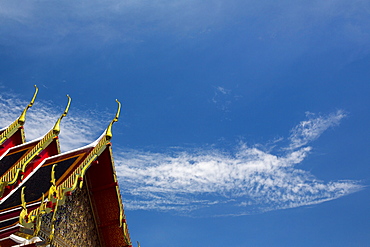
(243,123)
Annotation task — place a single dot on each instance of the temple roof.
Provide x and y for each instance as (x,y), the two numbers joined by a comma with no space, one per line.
(13,134)
(18,166)
(37,183)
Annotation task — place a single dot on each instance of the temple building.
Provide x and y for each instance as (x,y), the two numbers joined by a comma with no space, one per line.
(49,198)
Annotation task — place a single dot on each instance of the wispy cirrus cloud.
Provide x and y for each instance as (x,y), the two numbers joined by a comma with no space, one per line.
(214,182)
(203,181)
(311,129)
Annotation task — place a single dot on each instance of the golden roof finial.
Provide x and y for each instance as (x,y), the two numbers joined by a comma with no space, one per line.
(22,198)
(24,212)
(52,181)
(22,117)
(108,132)
(56,128)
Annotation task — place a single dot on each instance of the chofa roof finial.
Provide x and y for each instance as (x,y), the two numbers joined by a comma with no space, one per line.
(108,132)
(22,117)
(56,128)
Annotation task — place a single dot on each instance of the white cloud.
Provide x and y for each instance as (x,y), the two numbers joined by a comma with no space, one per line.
(309,130)
(245,182)
(203,181)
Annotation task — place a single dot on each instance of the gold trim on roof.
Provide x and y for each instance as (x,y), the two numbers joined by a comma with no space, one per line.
(57,194)
(122,218)
(16,171)
(19,122)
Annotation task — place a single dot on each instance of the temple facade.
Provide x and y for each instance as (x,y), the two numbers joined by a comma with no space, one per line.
(49,198)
